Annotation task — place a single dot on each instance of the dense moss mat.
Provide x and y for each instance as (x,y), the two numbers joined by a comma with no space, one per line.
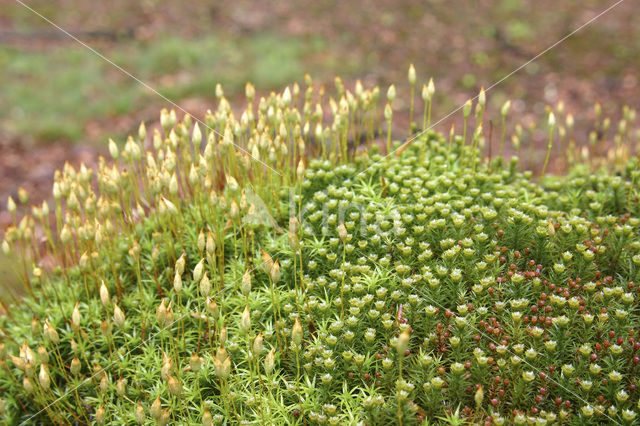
(429,286)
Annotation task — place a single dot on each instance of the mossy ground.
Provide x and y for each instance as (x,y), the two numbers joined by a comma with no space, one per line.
(258,274)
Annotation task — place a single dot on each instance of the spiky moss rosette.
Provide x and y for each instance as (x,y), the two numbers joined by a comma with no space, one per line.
(323,283)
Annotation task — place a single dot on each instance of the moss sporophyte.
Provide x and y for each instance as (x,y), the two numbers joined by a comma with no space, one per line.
(274,265)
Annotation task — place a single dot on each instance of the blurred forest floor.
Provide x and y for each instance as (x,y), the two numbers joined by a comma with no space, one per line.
(60,102)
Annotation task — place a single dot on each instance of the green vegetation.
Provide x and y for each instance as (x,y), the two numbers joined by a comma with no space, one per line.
(55,93)
(276,267)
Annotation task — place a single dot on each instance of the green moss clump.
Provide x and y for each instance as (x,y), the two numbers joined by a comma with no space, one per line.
(278,270)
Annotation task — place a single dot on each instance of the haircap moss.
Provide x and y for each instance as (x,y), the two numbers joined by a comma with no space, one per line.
(333,274)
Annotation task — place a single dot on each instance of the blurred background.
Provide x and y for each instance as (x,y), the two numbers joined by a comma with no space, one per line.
(61,102)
